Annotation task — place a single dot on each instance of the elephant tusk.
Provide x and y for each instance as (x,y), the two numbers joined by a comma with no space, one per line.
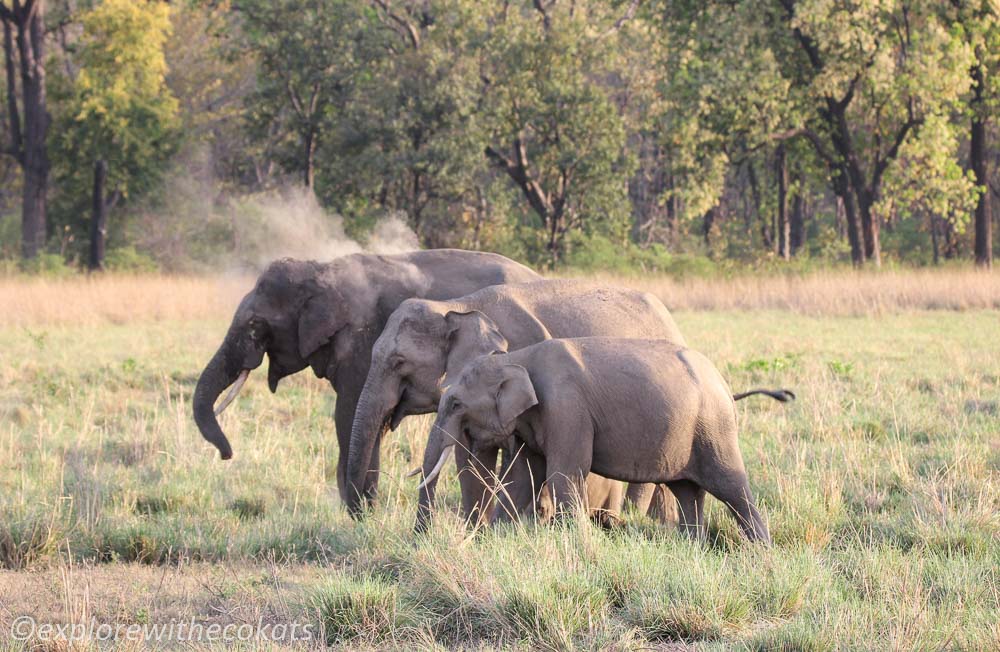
(437,467)
(233,391)
(414,472)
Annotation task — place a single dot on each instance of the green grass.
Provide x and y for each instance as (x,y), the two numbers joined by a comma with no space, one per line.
(880,485)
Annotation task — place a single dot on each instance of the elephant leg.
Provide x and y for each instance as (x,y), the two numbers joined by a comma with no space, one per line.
(690,508)
(569,455)
(343,419)
(605,497)
(567,488)
(652,500)
(663,506)
(477,479)
(343,416)
(521,481)
(734,490)
(639,496)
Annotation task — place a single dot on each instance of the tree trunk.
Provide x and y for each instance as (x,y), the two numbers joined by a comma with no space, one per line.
(784,226)
(797,228)
(977,160)
(934,238)
(765,230)
(481,211)
(309,154)
(950,239)
(29,136)
(870,226)
(843,190)
(670,209)
(554,245)
(98,217)
(707,226)
(840,217)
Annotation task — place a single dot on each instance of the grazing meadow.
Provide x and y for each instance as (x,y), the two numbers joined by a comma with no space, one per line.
(880,484)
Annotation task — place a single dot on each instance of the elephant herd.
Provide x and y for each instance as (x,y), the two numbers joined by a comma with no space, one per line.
(582,387)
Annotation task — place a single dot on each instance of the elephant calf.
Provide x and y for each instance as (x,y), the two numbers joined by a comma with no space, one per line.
(425,343)
(627,409)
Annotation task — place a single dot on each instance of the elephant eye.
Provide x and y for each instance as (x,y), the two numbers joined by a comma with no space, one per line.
(258,330)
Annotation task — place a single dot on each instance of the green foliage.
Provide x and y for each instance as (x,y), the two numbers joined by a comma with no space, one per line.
(647,131)
(307,64)
(127,259)
(554,128)
(593,253)
(45,264)
(117,109)
(10,235)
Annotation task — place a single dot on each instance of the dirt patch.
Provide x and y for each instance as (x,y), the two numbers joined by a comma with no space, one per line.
(265,601)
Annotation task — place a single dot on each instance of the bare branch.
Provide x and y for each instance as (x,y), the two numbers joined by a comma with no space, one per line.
(543,10)
(517,170)
(627,16)
(294,97)
(882,163)
(29,8)
(409,27)
(810,135)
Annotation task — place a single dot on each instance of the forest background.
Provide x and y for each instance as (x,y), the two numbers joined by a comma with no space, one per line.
(685,137)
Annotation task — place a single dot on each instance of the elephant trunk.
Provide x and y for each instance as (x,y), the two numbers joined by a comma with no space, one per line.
(370,420)
(217,376)
(440,445)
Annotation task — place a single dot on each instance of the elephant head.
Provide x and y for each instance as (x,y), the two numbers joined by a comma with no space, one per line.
(423,344)
(292,314)
(479,410)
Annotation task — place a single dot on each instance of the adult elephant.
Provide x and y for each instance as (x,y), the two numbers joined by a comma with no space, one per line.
(327,316)
(426,342)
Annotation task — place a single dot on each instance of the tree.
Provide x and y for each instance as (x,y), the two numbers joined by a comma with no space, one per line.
(408,135)
(726,111)
(869,75)
(117,126)
(24,58)
(980,24)
(211,89)
(306,55)
(554,128)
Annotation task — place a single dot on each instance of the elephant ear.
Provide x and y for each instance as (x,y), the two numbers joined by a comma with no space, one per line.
(470,334)
(319,321)
(515,395)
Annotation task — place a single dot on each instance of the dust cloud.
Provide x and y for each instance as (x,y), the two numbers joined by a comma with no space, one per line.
(289,224)
(197,226)
(292,224)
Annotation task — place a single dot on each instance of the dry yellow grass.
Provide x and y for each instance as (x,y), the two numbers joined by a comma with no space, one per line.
(841,293)
(117,299)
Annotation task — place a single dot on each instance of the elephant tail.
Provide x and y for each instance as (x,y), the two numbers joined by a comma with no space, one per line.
(781,395)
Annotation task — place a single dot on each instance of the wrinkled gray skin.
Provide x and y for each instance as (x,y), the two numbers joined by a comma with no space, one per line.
(327,316)
(426,342)
(632,410)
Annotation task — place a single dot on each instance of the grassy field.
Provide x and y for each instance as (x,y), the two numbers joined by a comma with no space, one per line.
(881,485)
